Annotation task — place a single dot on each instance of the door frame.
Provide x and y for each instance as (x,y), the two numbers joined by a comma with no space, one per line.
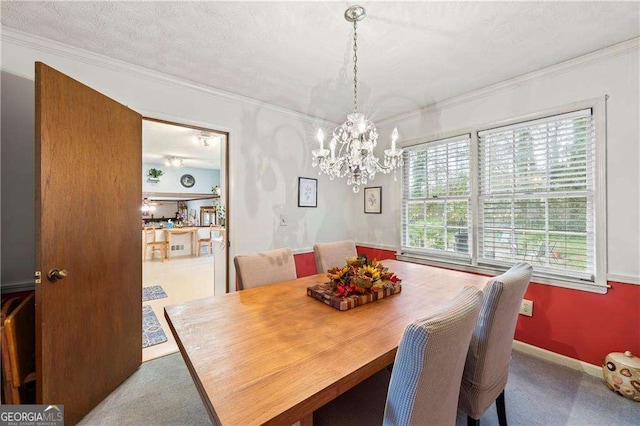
(174,121)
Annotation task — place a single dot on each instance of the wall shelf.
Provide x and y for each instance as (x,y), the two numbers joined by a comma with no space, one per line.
(178,196)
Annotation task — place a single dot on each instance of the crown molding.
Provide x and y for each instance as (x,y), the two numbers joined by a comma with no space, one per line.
(95,59)
(602,55)
(20,38)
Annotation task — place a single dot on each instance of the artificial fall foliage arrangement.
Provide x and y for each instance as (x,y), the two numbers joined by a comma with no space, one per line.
(359,276)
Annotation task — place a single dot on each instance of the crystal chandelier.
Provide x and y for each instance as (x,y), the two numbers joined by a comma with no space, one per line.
(357,137)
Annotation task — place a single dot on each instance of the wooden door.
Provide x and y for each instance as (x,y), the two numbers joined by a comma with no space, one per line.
(88,188)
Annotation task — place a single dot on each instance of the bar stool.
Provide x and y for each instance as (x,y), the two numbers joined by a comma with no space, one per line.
(206,242)
(156,246)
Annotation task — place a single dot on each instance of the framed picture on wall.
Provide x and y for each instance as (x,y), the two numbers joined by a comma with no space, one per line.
(307,192)
(373,200)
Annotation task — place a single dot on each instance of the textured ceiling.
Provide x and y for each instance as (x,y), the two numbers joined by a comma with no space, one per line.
(160,141)
(297,54)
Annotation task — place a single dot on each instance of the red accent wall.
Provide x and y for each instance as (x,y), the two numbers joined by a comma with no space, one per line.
(582,325)
(375,253)
(305,264)
(575,323)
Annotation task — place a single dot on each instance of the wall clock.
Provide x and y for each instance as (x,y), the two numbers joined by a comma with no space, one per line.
(187,181)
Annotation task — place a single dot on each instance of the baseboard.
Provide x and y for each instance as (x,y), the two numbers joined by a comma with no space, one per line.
(17,287)
(576,364)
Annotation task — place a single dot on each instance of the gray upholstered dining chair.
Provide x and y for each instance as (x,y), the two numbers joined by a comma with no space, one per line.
(425,382)
(256,269)
(330,255)
(487,365)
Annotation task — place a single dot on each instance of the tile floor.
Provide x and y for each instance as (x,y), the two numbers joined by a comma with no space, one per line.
(183,279)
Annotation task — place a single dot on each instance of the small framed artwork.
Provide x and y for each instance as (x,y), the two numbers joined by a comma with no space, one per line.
(373,200)
(307,192)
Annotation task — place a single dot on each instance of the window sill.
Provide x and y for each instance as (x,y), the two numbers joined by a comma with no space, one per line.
(571,283)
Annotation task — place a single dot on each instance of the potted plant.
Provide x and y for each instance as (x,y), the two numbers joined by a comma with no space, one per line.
(154,174)
(221,215)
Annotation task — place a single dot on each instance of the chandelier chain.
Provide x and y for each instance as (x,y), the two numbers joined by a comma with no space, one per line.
(355,66)
(351,150)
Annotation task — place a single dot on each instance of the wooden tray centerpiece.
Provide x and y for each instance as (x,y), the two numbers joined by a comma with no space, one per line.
(357,283)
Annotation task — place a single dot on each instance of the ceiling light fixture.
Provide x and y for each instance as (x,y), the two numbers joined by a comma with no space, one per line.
(173,162)
(147,207)
(357,136)
(205,138)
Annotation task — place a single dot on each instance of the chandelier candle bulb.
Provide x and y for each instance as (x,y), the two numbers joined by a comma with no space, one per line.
(321,139)
(394,138)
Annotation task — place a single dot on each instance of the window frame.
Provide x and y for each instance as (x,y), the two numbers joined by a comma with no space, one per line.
(599,285)
(437,253)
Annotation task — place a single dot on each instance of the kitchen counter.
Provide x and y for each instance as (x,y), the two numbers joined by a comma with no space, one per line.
(182,241)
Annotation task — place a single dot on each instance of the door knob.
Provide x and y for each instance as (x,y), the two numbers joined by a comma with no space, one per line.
(56,274)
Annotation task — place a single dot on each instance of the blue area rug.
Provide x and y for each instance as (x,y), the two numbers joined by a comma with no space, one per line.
(152,333)
(152,293)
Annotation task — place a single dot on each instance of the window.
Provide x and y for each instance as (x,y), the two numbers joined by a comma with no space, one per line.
(536,192)
(437,190)
(528,192)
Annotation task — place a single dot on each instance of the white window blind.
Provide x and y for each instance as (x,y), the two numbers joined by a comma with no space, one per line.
(536,195)
(436,215)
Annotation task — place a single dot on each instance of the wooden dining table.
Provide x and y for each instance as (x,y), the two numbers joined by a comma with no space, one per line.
(193,235)
(273,355)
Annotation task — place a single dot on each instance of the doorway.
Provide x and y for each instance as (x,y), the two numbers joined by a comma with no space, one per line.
(184,223)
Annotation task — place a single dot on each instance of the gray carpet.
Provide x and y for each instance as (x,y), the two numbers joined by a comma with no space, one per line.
(543,393)
(161,392)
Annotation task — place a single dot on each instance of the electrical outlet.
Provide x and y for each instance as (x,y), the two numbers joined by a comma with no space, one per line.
(283,219)
(526,308)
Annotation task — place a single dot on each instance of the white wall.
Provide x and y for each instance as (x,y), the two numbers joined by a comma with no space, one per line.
(17,178)
(269,148)
(170,179)
(614,71)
